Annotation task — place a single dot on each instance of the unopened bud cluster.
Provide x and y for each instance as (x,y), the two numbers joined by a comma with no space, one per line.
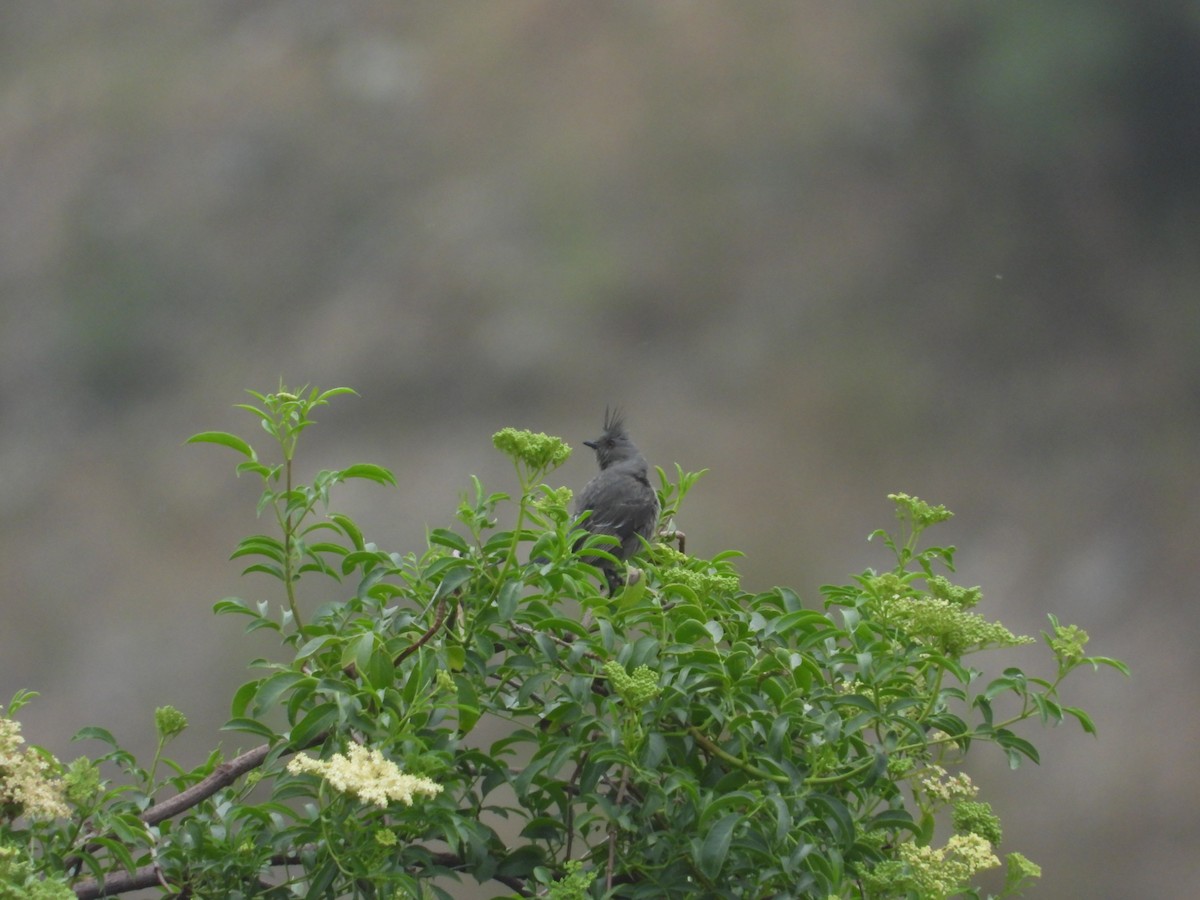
(636,689)
(536,450)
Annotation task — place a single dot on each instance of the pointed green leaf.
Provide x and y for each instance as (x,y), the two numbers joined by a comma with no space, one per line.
(358,651)
(270,690)
(1085,721)
(233,605)
(242,698)
(506,603)
(1098,661)
(324,396)
(370,472)
(713,850)
(249,726)
(452,580)
(313,726)
(351,530)
(379,671)
(96,733)
(225,439)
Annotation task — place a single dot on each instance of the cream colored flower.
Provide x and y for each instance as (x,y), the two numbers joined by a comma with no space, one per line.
(28,779)
(940,873)
(940,785)
(366,774)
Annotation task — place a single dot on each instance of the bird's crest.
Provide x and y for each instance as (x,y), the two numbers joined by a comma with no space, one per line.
(614,421)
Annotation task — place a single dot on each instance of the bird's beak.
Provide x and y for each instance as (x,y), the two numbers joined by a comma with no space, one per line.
(591,444)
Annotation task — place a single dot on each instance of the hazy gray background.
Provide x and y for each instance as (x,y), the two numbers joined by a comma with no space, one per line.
(828,250)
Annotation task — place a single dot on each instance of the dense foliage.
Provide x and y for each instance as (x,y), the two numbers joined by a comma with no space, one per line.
(463,713)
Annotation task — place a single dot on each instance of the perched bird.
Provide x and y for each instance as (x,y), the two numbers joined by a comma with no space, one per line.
(621,501)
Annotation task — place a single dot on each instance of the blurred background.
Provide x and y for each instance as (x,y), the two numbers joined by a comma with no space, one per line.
(828,251)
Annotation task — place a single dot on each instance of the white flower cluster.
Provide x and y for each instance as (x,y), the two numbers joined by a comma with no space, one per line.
(27,779)
(368,775)
(940,873)
(948,788)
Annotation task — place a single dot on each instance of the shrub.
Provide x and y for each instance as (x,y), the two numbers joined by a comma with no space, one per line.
(464,713)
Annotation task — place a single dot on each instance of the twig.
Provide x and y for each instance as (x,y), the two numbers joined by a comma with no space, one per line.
(612,833)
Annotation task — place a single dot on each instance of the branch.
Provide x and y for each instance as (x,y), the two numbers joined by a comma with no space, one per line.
(351,670)
(222,776)
(120,883)
(427,636)
(700,738)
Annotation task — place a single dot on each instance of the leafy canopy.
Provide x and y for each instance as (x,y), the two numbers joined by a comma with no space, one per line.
(462,712)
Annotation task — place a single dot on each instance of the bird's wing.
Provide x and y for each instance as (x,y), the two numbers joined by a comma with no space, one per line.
(622,504)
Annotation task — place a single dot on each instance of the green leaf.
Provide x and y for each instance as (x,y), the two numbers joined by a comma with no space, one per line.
(261,544)
(255,468)
(312,646)
(313,726)
(324,396)
(19,699)
(233,605)
(452,580)
(242,698)
(1015,747)
(226,440)
(249,726)
(264,416)
(543,828)
(447,538)
(379,671)
(130,829)
(631,594)
(791,601)
(358,651)
(711,854)
(467,705)
(1085,721)
(370,472)
(779,737)
(270,690)
(1003,684)
(1048,710)
(506,603)
(836,818)
(891,819)
(96,733)
(273,571)
(120,849)
(351,530)
(924,831)
(521,862)
(801,621)
(1098,661)
(691,631)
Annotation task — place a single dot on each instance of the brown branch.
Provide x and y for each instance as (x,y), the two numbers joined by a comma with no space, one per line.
(222,776)
(351,670)
(673,534)
(120,883)
(426,637)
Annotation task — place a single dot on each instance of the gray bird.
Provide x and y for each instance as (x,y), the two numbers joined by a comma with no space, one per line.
(620,498)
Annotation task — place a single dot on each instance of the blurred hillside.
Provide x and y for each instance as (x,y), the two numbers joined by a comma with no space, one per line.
(826,250)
